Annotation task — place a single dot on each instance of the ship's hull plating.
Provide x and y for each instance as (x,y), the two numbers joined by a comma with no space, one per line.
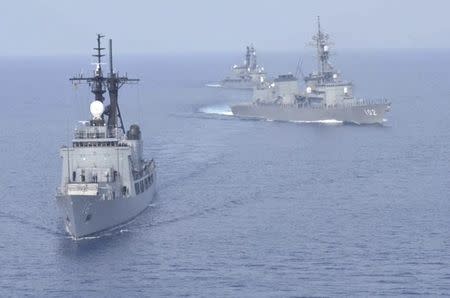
(238,84)
(359,114)
(85,215)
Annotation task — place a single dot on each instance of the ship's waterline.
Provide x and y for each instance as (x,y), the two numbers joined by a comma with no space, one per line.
(363,114)
(86,215)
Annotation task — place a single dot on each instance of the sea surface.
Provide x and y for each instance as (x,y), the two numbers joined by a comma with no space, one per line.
(245,208)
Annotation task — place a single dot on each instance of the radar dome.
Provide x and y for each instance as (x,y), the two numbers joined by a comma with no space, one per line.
(325,48)
(97,109)
(308,90)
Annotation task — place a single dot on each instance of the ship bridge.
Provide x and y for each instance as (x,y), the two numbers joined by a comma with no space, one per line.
(89,134)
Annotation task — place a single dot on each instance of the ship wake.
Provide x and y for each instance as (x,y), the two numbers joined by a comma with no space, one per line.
(326,121)
(111,232)
(213,85)
(217,110)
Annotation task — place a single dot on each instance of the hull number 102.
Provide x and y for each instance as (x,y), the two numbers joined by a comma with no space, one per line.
(370,112)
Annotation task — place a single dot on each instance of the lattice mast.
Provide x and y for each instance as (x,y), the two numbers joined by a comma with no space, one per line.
(100,83)
(322,43)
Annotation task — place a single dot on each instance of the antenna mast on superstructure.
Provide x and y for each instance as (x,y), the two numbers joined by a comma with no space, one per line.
(318,43)
(322,44)
(99,83)
(247,58)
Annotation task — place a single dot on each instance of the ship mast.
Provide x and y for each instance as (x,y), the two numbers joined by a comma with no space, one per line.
(247,58)
(250,58)
(99,83)
(321,43)
(318,44)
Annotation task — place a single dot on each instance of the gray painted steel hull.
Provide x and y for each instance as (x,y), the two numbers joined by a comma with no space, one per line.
(103,214)
(235,84)
(359,114)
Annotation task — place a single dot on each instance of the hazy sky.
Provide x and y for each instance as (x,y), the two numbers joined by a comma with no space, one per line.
(44,27)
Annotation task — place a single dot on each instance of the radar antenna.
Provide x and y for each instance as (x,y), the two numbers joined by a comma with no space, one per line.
(99,83)
(321,42)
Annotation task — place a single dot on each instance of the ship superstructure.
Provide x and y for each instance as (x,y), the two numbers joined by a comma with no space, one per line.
(245,76)
(325,86)
(326,95)
(105,179)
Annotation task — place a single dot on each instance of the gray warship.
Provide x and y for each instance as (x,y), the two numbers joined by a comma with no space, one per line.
(245,76)
(105,180)
(326,97)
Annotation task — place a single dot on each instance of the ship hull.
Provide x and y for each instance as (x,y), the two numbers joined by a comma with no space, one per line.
(236,84)
(358,114)
(86,215)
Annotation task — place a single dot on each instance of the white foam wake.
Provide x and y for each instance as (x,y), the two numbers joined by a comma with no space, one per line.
(213,85)
(326,121)
(217,110)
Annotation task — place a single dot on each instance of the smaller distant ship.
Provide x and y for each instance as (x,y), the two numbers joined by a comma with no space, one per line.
(326,97)
(245,76)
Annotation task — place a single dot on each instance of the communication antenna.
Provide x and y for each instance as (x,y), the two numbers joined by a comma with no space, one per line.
(99,84)
(322,44)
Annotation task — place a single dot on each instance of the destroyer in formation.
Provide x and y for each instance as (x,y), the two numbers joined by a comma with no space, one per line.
(245,76)
(327,96)
(105,179)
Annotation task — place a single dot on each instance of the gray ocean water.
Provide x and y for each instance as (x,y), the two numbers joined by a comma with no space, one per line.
(244,208)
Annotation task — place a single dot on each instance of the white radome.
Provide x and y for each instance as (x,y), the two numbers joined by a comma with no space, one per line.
(97,109)
(325,48)
(308,90)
